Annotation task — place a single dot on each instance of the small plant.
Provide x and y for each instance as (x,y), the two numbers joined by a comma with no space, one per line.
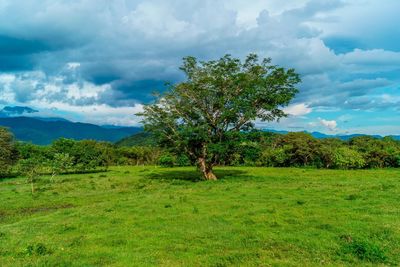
(363,249)
(300,202)
(38,249)
(351,197)
(31,169)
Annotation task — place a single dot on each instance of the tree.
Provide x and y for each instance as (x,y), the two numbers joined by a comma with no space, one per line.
(61,163)
(8,151)
(299,147)
(217,98)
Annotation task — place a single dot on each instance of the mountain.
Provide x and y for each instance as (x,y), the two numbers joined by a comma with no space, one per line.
(15,111)
(50,118)
(43,131)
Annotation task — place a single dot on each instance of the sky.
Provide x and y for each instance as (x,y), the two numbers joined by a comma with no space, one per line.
(98,61)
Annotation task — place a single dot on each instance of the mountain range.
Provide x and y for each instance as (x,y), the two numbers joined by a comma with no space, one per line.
(43,132)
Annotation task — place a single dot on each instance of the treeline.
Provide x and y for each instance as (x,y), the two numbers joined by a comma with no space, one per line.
(301,149)
(69,156)
(298,149)
(244,149)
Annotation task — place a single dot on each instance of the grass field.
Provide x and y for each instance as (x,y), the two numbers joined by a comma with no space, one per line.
(151,216)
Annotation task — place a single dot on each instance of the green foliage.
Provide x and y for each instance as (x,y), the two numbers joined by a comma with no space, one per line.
(378,153)
(61,163)
(167,160)
(274,157)
(38,249)
(245,148)
(31,168)
(218,97)
(347,158)
(8,151)
(183,160)
(138,155)
(140,139)
(86,155)
(299,147)
(326,151)
(363,249)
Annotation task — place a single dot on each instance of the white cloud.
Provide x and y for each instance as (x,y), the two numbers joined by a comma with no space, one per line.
(101,114)
(298,109)
(73,65)
(330,125)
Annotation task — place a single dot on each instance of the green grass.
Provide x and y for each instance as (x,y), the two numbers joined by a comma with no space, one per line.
(150,216)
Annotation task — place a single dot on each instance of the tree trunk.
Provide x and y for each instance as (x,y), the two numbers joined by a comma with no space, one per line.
(206,169)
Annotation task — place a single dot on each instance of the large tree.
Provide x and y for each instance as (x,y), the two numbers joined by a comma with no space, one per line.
(202,115)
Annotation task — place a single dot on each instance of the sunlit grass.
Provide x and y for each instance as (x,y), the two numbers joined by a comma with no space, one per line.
(144,216)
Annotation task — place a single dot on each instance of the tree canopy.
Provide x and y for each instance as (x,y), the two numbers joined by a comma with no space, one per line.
(8,151)
(219,98)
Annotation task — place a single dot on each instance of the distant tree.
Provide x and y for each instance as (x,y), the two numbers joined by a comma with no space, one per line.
(326,151)
(28,150)
(61,163)
(218,97)
(301,148)
(8,151)
(373,150)
(86,155)
(347,158)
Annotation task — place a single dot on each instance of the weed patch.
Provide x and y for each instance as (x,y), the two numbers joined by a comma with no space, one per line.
(362,249)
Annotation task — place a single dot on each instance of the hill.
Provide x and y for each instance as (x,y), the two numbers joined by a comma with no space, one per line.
(138,139)
(43,131)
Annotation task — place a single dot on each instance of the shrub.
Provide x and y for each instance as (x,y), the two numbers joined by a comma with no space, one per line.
(274,157)
(183,160)
(346,158)
(167,160)
(300,148)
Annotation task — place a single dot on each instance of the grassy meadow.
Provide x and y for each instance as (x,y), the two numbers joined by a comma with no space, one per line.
(152,216)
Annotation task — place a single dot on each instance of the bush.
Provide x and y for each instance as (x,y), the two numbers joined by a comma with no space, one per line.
(167,160)
(183,160)
(301,149)
(274,157)
(346,158)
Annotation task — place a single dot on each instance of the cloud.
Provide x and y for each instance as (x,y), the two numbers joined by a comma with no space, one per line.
(298,109)
(115,53)
(329,124)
